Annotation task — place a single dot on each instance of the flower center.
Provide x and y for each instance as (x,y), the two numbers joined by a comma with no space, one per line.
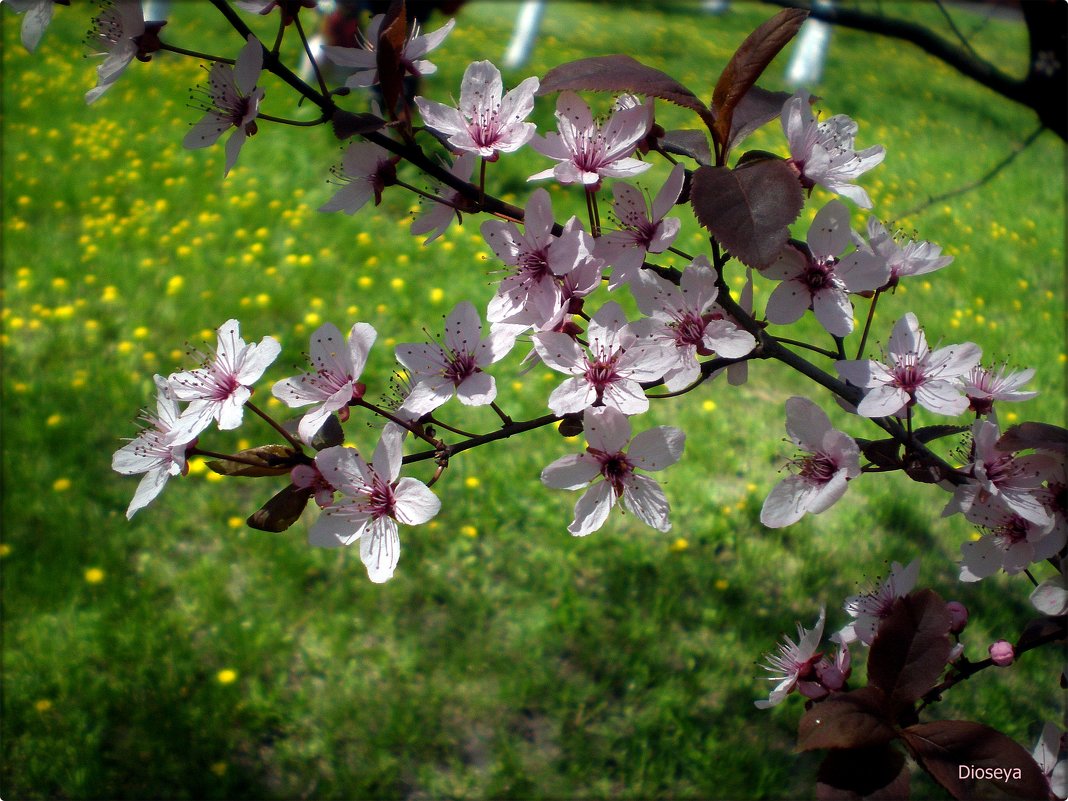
(817,468)
(819,274)
(460,367)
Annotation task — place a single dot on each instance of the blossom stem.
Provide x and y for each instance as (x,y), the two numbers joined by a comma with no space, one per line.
(421,193)
(500,413)
(589,211)
(436,476)
(678,252)
(482,181)
(700,380)
(278,38)
(797,343)
(311,56)
(195,54)
(296,443)
(223,457)
(1032,578)
(502,433)
(867,323)
(453,429)
(417,430)
(299,123)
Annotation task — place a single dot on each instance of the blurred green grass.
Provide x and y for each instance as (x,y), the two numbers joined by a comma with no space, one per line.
(184,655)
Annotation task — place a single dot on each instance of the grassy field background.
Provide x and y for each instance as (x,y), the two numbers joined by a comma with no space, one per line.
(183,655)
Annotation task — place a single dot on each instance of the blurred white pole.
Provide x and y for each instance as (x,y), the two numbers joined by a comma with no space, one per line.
(810,52)
(526,31)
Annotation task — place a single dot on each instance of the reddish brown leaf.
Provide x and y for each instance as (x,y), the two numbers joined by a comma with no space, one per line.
(749,208)
(347,124)
(1026,436)
(910,648)
(962,756)
(859,773)
(747,64)
(388,49)
(756,108)
(621,73)
(857,719)
(1040,630)
(282,510)
(688,142)
(270,460)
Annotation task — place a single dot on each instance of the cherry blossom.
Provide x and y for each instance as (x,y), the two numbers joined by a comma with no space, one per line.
(607,434)
(1007,481)
(287,8)
(307,476)
(819,278)
(333,384)
(821,478)
(372,502)
(233,102)
(794,662)
(644,229)
(1047,753)
(438,373)
(687,320)
(116,30)
(914,258)
(366,169)
(38,15)
(488,122)
(588,152)
(364,59)
(220,388)
(823,152)
(158,451)
(440,216)
(983,386)
(915,374)
(620,356)
(1010,542)
(871,608)
(532,295)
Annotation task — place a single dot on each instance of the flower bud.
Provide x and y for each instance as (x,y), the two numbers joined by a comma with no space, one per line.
(1001,653)
(958,616)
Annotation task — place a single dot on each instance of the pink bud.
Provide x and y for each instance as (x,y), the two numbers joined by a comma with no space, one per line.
(958,616)
(1001,653)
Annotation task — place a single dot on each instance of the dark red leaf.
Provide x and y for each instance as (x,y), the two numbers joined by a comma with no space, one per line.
(747,64)
(270,460)
(749,208)
(881,452)
(756,108)
(1040,630)
(962,755)
(282,511)
(347,124)
(621,73)
(688,142)
(910,648)
(391,37)
(1026,436)
(857,719)
(875,773)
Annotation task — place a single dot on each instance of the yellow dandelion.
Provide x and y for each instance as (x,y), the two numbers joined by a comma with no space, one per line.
(43,705)
(469,531)
(708,405)
(680,544)
(235,522)
(363,238)
(312,318)
(54,420)
(471,482)
(59,283)
(365,282)
(94,575)
(218,768)
(226,676)
(5,550)
(61,484)
(437,295)
(397,283)
(721,584)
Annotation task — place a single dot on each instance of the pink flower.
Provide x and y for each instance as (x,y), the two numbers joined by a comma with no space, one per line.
(589,152)
(1001,653)
(158,451)
(441,215)
(1010,542)
(823,152)
(983,387)
(915,258)
(643,230)
(871,608)
(373,502)
(821,478)
(220,388)
(38,15)
(307,476)
(794,662)
(820,279)
(611,372)
(607,435)
(364,59)
(366,169)
(687,321)
(333,384)
(438,373)
(116,29)
(532,295)
(1051,744)
(914,375)
(233,101)
(488,122)
(1012,483)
